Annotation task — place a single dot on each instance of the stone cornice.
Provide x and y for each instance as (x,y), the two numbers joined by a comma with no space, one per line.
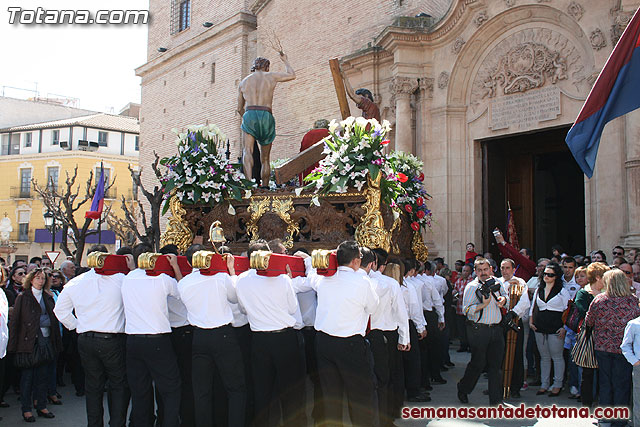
(238,20)
(258,5)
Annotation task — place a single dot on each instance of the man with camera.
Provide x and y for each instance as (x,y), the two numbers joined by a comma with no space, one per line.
(483,298)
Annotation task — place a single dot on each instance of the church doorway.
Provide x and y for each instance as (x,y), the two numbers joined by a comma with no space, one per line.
(538,177)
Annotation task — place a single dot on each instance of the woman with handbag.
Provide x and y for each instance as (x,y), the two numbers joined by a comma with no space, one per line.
(609,314)
(34,337)
(549,303)
(595,274)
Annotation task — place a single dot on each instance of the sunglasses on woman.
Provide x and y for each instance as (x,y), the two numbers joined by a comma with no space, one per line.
(20,273)
(550,274)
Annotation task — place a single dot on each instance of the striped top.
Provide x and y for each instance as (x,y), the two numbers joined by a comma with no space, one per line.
(491,314)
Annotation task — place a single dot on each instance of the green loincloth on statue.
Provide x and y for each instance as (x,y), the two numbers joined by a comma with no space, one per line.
(260,124)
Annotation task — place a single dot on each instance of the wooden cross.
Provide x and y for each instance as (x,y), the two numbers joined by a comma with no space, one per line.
(313,154)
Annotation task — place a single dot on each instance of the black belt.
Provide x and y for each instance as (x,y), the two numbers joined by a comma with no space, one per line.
(212,329)
(104,335)
(495,325)
(258,107)
(162,335)
(279,331)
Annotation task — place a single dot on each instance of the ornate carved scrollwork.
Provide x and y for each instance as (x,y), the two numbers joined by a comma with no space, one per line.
(284,208)
(178,231)
(96,259)
(371,231)
(257,208)
(418,247)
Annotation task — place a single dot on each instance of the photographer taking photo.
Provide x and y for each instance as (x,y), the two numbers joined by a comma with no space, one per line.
(481,304)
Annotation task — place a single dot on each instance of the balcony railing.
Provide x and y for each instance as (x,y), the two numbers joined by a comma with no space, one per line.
(21,192)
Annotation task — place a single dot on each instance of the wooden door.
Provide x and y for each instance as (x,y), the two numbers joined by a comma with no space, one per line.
(519,192)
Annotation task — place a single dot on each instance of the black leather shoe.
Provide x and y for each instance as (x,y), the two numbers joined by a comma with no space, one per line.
(54,402)
(419,399)
(439,381)
(427,388)
(30,419)
(4,404)
(80,393)
(552,394)
(45,414)
(515,394)
(462,397)
(449,364)
(443,368)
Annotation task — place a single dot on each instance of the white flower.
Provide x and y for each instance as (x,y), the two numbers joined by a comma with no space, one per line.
(342,189)
(374,123)
(361,122)
(231,210)
(359,185)
(360,157)
(188,171)
(347,123)
(206,197)
(348,167)
(298,190)
(333,126)
(364,143)
(334,180)
(345,160)
(180,195)
(190,179)
(315,201)
(247,194)
(386,126)
(353,175)
(191,195)
(396,215)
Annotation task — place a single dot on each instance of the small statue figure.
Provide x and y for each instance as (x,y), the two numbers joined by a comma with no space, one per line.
(256,92)
(363,99)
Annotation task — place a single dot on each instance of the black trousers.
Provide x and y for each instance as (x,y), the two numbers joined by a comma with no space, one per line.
(431,350)
(181,339)
(487,350)
(586,387)
(218,349)
(378,345)
(150,358)
(103,360)
(72,358)
(461,329)
(311,355)
(278,375)
(412,363)
(517,378)
(396,375)
(343,366)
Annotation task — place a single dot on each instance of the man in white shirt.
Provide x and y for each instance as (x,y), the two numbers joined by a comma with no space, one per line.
(271,305)
(433,306)
(417,330)
(345,302)
(568,278)
(150,354)
(215,345)
(390,322)
(92,305)
(521,310)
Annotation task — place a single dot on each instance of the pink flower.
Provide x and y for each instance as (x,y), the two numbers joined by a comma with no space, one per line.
(415,226)
(408,208)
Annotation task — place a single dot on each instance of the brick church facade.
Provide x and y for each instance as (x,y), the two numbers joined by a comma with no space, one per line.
(483,91)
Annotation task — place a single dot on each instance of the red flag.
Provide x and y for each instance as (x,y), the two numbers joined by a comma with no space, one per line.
(512,234)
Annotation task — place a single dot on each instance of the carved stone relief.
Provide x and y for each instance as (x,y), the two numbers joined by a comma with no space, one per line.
(531,58)
(403,86)
(480,18)
(457,45)
(575,10)
(620,21)
(597,38)
(443,80)
(426,86)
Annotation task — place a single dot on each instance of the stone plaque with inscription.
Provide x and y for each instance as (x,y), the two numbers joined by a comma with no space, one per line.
(524,111)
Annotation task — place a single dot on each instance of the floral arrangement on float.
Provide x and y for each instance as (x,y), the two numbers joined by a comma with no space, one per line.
(354,150)
(199,173)
(414,199)
(355,153)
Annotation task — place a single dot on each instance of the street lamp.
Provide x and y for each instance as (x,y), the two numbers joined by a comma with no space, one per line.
(50,223)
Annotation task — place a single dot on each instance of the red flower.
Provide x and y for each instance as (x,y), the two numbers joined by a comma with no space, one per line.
(419,201)
(421,177)
(402,177)
(420,214)
(408,208)
(415,226)
(385,142)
